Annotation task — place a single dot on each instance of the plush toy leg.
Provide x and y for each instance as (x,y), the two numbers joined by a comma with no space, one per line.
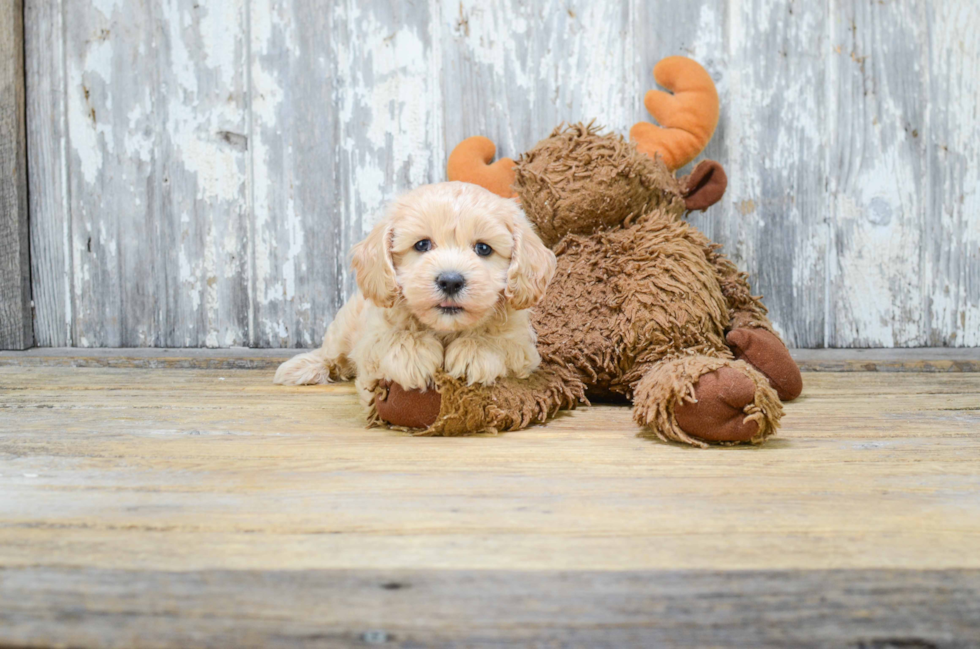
(767,353)
(508,404)
(705,399)
(752,337)
(744,309)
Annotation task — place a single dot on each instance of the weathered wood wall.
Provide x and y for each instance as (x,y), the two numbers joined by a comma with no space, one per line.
(15,283)
(199,169)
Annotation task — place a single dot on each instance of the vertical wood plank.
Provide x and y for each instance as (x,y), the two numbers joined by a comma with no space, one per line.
(951,225)
(879,96)
(47,173)
(16,328)
(775,116)
(513,71)
(297,228)
(156,113)
(346,114)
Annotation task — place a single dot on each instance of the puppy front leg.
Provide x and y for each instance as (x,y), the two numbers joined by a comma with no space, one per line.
(506,348)
(410,358)
(475,359)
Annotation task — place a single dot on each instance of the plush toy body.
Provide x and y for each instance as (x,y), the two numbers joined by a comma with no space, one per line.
(643,307)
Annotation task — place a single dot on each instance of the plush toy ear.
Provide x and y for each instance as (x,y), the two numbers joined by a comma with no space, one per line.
(705,186)
(532,265)
(374,268)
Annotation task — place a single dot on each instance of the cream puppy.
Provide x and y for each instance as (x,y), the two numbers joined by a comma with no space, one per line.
(445,282)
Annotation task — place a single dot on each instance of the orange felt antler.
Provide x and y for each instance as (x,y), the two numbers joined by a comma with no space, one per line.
(470,163)
(688,117)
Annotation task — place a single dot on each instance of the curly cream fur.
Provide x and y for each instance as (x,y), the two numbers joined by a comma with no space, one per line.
(401,326)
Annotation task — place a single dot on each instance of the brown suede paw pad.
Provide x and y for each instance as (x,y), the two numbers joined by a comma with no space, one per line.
(717,415)
(408,408)
(769,355)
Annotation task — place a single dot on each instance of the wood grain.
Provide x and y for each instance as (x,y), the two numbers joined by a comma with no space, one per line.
(513,70)
(874,609)
(168,507)
(48,175)
(157,155)
(952,216)
(198,469)
(16,319)
(900,230)
(238,149)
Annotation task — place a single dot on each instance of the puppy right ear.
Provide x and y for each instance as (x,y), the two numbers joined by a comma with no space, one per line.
(374,268)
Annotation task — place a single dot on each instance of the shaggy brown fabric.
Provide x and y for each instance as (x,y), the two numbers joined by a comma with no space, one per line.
(509,404)
(744,309)
(769,355)
(624,298)
(640,304)
(579,181)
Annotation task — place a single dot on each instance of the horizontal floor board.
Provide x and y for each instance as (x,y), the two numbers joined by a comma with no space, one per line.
(869,608)
(166,506)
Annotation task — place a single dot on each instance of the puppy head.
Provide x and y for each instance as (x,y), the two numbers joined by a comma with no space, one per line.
(451,253)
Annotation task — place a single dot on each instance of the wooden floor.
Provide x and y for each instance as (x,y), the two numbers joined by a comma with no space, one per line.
(207,507)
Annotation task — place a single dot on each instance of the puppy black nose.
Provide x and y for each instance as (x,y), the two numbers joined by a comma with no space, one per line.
(450,283)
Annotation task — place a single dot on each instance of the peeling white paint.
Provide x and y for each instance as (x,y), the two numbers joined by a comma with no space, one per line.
(105,7)
(878,229)
(222,45)
(90,134)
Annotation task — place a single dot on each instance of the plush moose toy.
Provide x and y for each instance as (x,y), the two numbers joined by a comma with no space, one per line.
(643,306)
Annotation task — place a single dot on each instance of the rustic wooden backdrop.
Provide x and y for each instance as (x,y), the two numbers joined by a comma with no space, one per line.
(15,282)
(199,168)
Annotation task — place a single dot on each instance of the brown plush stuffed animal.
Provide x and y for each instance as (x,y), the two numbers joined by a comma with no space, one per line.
(643,306)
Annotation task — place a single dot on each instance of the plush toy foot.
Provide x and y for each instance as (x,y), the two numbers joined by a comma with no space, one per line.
(408,408)
(700,400)
(718,414)
(769,355)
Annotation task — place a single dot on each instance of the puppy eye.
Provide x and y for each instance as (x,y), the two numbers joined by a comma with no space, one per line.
(425,245)
(483,249)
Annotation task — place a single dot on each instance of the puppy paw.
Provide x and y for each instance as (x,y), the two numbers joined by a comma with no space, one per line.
(474,362)
(305,369)
(522,360)
(412,362)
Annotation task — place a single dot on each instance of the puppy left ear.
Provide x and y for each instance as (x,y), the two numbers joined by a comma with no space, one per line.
(374,267)
(532,265)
